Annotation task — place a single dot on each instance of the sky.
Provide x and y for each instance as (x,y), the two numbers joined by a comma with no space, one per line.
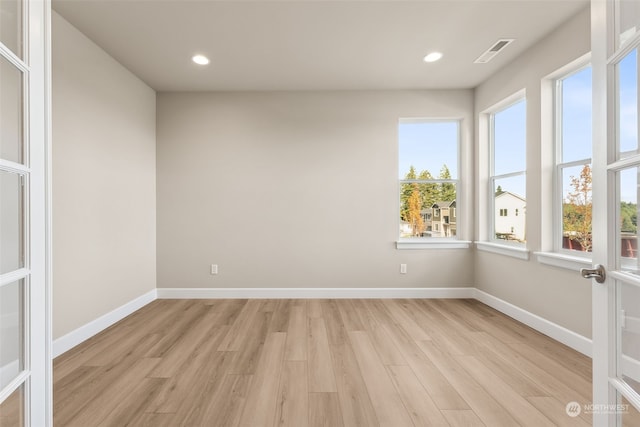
(428,145)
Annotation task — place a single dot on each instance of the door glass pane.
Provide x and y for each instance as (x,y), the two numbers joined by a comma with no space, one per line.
(576,208)
(11,222)
(629,13)
(630,334)
(12,409)
(11,131)
(11,25)
(510,205)
(628,220)
(11,331)
(628,103)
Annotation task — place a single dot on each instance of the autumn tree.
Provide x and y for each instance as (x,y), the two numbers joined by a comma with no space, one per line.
(577,209)
(414,217)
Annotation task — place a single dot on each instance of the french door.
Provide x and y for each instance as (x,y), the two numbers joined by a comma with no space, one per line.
(24,337)
(616,193)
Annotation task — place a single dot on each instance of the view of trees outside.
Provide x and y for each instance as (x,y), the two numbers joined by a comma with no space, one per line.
(577,211)
(575,154)
(417,197)
(428,154)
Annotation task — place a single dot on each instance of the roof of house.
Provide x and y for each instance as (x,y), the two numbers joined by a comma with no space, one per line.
(444,204)
(511,194)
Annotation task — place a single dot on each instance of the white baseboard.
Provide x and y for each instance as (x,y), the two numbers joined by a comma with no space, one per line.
(313,293)
(73,338)
(553,330)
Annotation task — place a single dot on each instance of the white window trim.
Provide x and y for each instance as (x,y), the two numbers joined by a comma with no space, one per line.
(453,242)
(490,113)
(511,250)
(432,243)
(563,260)
(552,238)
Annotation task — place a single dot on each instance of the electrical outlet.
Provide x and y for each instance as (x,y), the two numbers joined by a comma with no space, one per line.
(403,268)
(214,268)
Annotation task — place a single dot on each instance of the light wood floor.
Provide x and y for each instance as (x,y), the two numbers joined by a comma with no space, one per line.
(319,363)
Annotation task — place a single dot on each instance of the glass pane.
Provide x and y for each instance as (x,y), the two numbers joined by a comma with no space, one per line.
(629,13)
(11,25)
(12,409)
(428,150)
(510,139)
(11,222)
(428,210)
(10,112)
(11,331)
(576,208)
(628,223)
(576,116)
(629,413)
(628,103)
(630,334)
(510,207)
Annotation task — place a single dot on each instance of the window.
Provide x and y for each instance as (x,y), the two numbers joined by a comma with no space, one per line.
(572,174)
(517,211)
(507,177)
(428,176)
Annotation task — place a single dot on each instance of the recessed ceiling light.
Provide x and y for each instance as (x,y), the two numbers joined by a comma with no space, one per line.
(200,59)
(433,57)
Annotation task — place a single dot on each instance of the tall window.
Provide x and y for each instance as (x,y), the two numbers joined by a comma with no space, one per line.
(508,172)
(428,175)
(573,162)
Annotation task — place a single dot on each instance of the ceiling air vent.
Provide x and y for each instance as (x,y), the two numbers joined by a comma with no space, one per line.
(493,51)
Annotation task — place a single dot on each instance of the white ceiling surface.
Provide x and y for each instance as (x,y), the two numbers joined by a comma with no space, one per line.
(313,45)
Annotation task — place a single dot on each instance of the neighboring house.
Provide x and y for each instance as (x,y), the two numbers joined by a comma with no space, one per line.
(440,219)
(510,210)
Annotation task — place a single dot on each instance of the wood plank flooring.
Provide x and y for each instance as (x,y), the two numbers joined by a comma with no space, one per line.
(319,363)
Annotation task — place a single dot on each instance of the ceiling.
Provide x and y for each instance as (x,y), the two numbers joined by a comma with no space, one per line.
(313,45)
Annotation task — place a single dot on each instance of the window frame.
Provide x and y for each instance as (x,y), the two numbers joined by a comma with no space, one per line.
(504,105)
(559,165)
(451,242)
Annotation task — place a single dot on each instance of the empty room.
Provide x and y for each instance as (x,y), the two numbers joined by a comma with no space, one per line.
(319,213)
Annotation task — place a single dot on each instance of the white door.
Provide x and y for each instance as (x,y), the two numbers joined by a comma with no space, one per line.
(616,190)
(24,366)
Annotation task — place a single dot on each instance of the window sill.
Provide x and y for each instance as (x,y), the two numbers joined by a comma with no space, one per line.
(563,260)
(507,250)
(432,244)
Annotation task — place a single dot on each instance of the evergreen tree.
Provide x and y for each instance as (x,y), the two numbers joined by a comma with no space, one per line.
(628,217)
(499,191)
(447,189)
(430,193)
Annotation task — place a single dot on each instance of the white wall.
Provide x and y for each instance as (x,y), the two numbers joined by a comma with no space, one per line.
(103,182)
(556,294)
(295,189)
